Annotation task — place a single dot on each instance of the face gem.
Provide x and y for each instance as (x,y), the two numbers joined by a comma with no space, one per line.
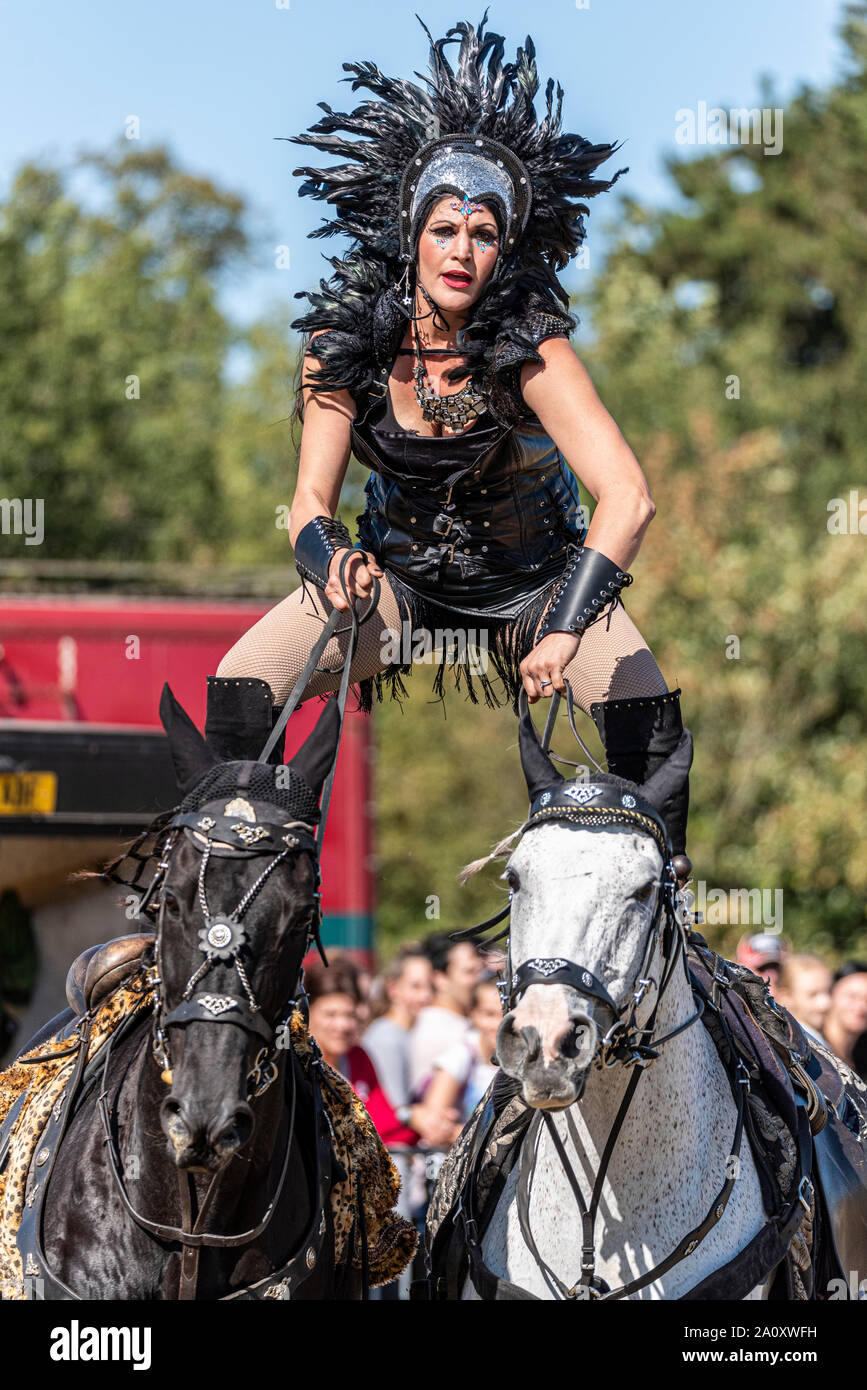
(466,208)
(240,808)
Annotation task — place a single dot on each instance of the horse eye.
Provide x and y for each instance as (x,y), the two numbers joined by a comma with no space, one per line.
(642,894)
(512,879)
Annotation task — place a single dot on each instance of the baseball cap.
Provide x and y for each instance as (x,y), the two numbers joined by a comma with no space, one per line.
(761,950)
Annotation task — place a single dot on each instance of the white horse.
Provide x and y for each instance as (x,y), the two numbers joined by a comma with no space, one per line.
(589,896)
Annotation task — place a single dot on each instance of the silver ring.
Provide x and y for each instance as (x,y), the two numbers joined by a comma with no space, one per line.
(542,684)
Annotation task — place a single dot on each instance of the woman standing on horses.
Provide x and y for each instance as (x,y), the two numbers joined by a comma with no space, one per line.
(460,207)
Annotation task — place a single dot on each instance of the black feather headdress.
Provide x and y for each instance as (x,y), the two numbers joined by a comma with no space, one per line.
(482,96)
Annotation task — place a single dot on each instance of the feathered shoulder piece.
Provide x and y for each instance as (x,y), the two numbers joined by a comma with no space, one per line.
(483,97)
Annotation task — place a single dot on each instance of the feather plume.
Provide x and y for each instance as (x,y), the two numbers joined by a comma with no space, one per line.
(482,94)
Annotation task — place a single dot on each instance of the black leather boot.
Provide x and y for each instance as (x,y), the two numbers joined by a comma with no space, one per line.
(638,735)
(240,717)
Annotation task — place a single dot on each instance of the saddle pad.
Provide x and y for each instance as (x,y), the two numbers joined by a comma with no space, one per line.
(38,1089)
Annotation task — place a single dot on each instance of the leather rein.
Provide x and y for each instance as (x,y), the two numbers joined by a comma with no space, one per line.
(625,1044)
(223,938)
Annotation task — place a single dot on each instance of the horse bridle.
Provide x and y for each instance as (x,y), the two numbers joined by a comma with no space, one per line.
(222,937)
(625,1043)
(236,832)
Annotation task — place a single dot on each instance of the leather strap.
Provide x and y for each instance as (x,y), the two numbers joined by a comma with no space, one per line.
(234,1010)
(162,1230)
(556,970)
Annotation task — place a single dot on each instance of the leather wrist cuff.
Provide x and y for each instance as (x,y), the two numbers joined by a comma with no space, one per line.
(316,544)
(589,582)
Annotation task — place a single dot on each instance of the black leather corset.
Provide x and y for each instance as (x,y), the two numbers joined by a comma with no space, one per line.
(481,516)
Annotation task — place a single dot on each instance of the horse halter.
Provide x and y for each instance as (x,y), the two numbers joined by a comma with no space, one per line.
(236,833)
(604,802)
(600,804)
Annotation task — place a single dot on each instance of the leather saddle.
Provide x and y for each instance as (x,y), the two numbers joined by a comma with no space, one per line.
(97,971)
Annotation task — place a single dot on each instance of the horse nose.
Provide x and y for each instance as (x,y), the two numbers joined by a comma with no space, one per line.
(230,1132)
(520,1047)
(516,1046)
(197,1135)
(578,1041)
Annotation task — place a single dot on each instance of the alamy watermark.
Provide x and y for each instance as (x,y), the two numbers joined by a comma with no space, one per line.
(466,646)
(739,126)
(847,516)
(23,517)
(719,907)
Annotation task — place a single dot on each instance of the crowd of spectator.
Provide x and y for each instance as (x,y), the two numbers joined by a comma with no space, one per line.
(417,1045)
(417,1041)
(831,1004)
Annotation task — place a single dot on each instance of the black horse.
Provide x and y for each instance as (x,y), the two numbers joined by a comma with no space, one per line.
(196,1161)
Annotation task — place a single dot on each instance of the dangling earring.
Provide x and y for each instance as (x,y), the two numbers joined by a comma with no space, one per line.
(403,284)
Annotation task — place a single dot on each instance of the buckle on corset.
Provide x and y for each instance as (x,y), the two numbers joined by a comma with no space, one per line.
(442,524)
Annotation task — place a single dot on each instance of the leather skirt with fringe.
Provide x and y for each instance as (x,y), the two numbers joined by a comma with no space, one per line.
(495,644)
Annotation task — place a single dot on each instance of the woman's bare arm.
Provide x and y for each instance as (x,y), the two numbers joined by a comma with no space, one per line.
(443,1091)
(322,464)
(563,397)
(325,449)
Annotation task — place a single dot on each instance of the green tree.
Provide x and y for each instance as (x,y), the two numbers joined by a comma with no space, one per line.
(111,392)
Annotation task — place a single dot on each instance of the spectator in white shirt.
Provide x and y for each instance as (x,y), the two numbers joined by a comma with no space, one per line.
(457,966)
(463,1072)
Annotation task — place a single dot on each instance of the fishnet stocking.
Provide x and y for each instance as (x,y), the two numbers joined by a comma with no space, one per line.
(613,661)
(276,648)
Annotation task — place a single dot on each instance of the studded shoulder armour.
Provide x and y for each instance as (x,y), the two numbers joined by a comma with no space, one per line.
(516,348)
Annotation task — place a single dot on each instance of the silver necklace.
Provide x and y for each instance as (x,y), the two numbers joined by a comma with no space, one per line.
(455,410)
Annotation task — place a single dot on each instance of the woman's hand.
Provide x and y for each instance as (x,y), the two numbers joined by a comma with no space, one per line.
(358,577)
(547,662)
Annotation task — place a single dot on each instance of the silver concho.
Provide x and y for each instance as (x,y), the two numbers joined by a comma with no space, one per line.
(217,1004)
(206,823)
(544,798)
(221,938)
(543,966)
(310,1257)
(627,799)
(219,935)
(249,834)
(582,792)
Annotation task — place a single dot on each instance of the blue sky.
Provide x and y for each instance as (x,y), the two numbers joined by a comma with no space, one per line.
(217,80)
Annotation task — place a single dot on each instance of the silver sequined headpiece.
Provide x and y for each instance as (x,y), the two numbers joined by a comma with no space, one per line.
(474,167)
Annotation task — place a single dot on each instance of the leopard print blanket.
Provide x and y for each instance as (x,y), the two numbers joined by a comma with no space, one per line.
(370,1173)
